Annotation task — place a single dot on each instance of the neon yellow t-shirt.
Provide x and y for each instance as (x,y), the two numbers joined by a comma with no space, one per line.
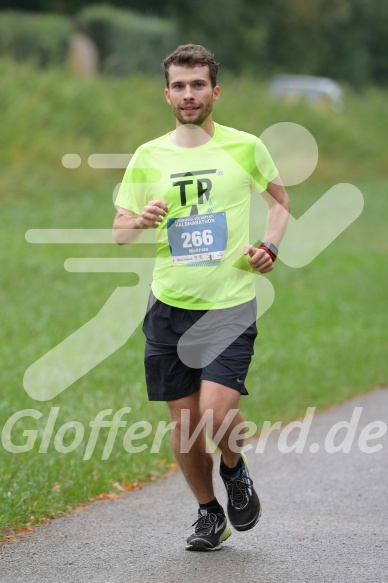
(207,190)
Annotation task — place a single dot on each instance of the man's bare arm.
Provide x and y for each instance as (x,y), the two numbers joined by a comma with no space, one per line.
(278,214)
(127,225)
(278,211)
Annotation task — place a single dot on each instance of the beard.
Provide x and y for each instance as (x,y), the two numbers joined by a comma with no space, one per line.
(201,114)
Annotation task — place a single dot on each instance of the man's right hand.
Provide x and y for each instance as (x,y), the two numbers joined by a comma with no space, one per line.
(153,214)
(127,226)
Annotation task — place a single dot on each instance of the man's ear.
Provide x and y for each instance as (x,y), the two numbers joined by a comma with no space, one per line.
(216,92)
(167,95)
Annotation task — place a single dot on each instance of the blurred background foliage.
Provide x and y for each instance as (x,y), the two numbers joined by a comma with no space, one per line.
(43,39)
(342,39)
(127,41)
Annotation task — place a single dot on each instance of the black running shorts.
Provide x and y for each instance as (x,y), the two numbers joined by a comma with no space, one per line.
(184,347)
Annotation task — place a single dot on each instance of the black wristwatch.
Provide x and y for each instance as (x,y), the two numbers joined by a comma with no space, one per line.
(273,250)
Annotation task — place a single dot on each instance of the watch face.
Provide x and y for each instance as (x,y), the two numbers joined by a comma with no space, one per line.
(271,247)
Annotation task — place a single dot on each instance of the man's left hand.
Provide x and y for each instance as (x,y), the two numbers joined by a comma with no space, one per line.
(259,259)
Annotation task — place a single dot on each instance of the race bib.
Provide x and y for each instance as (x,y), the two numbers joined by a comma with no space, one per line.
(197,237)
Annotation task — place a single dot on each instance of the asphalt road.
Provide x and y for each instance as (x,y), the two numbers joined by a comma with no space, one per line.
(325,519)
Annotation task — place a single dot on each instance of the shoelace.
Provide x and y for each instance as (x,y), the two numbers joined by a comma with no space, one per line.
(238,491)
(204,524)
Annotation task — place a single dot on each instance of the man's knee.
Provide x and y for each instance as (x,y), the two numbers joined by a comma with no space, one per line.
(219,421)
(186,416)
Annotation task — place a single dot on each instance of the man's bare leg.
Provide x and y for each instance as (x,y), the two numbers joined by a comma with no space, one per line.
(196,464)
(221,400)
(244,507)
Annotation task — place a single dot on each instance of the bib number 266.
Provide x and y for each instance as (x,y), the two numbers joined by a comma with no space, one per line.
(197,238)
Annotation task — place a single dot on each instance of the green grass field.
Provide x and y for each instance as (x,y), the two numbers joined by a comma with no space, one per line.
(323,341)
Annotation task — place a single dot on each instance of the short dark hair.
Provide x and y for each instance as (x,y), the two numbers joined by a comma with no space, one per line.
(189,56)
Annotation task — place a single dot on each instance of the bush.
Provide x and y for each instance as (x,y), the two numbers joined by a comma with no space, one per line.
(128,42)
(42,38)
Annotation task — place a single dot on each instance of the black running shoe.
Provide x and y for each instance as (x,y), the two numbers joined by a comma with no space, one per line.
(244,509)
(210,531)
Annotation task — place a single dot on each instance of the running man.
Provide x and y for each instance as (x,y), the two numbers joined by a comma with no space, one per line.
(194,186)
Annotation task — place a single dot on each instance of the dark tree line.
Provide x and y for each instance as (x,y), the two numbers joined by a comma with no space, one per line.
(159,7)
(343,39)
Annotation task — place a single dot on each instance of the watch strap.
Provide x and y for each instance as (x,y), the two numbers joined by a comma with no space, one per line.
(270,248)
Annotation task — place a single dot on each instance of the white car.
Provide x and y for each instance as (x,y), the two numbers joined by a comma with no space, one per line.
(322,92)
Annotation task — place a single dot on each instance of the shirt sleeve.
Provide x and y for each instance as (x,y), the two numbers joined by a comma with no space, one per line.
(264,169)
(132,193)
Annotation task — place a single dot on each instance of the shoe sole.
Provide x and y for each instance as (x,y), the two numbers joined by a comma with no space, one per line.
(199,548)
(244,527)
